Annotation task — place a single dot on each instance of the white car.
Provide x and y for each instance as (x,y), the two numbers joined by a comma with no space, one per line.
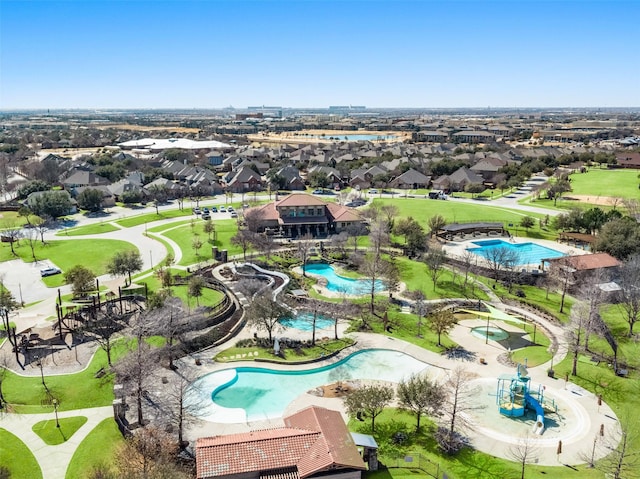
(50,271)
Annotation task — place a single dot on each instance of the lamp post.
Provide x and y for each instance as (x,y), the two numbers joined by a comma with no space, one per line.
(39,364)
(55,410)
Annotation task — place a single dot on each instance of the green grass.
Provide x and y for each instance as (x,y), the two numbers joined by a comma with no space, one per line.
(151,217)
(97,449)
(94,254)
(622,183)
(168,226)
(17,457)
(53,435)
(73,391)
(94,229)
(321,349)
(468,463)
(183,236)
(454,212)
(535,354)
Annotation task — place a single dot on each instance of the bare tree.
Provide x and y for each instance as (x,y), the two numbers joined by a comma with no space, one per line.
(469,260)
(629,294)
(264,313)
(32,239)
(575,331)
(303,249)
(104,329)
(374,267)
(42,225)
(500,259)
(435,260)
(183,403)
(459,401)
(196,244)
(561,273)
(623,461)
(353,232)
(523,452)
(12,232)
(420,395)
(244,239)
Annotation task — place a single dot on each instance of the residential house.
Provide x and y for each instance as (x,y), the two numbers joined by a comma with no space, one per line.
(335,178)
(108,198)
(244,179)
(457,181)
(84,178)
(411,179)
(474,136)
(313,443)
(292,178)
(628,159)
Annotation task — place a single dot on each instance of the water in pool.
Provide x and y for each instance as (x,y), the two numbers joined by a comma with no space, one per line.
(265,393)
(304,321)
(341,284)
(494,333)
(527,253)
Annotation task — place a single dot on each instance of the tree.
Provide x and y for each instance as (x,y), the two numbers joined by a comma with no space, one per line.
(557,189)
(353,232)
(420,395)
(82,280)
(244,239)
(196,244)
(622,459)
(523,452)
(318,179)
(51,203)
(441,322)
(303,249)
(500,259)
(375,267)
(209,227)
(42,225)
(183,403)
(619,237)
(561,272)
(25,213)
(31,187)
(90,199)
(12,232)
(264,312)
(436,223)
(104,329)
(459,401)
(31,236)
(124,263)
(474,188)
(574,333)
(527,222)
(369,400)
(435,260)
(134,370)
(196,283)
(629,294)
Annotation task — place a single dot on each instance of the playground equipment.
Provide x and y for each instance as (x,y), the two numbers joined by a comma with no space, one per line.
(514,397)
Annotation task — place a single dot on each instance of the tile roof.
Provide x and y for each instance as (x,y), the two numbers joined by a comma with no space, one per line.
(342,213)
(300,199)
(585,262)
(314,440)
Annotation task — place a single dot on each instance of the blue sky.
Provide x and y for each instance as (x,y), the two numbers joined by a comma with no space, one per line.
(211,54)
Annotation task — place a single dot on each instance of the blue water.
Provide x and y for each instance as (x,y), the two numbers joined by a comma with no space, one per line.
(527,253)
(348,137)
(265,393)
(304,321)
(341,284)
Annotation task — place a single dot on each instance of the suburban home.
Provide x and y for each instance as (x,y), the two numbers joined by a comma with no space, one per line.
(123,186)
(293,180)
(474,136)
(335,178)
(108,198)
(314,442)
(243,180)
(628,159)
(457,180)
(411,180)
(431,136)
(84,178)
(299,213)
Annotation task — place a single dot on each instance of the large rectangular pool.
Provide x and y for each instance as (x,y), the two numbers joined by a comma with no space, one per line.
(526,253)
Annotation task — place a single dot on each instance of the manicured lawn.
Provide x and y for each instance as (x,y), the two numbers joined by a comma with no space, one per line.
(73,391)
(94,229)
(151,217)
(455,212)
(53,435)
(322,348)
(536,354)
(97,449)
(168,226)
(184,236)
(622,183)
(429,461)
(17,457)
(95,254)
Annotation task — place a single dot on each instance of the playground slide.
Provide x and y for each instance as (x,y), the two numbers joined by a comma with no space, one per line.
(532,402)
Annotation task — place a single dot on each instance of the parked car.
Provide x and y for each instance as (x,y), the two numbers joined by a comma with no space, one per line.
(234,214)
(373,191)
(205,210)
(206,216)
(230,209)
(214,209)
(222,209)
(317,192)
(50,271)
(196,211)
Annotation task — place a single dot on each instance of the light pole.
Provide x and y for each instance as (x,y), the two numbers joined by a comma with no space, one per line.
(55,410)
(39,364)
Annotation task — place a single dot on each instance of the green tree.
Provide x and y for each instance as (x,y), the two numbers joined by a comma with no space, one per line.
(369,400)
(435,260)
(441,322)
(420,395)
(82,280)
(90,199)
(318,179)
(619,237)
(196,284)
(32,187)
(196,244)
(124,263)
(527,222)
(264,312)
(51,203)
(474,188)
(436,223)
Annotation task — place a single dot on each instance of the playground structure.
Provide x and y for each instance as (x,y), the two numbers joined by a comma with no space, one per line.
(515,396)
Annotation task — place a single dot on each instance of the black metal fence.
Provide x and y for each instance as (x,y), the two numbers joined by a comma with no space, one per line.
(416,462)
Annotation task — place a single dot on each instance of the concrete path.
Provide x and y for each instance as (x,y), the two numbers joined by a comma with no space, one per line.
(53,460)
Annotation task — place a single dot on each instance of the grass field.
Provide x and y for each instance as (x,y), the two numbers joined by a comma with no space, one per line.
(94,229)
(17,457)
(621,183)
(151,217)
(53,435)
(95,254)
(97,449)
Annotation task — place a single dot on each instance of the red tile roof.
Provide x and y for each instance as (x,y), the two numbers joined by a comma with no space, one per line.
(314,440)
(592,261)
(343,213)
(300,199)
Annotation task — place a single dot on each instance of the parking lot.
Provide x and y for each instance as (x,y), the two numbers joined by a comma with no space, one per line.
(24,281)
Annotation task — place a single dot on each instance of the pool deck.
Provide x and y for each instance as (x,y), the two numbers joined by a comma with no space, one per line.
(583,404)
(457,249)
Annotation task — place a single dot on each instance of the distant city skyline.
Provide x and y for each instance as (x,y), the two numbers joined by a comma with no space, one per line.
(209,54)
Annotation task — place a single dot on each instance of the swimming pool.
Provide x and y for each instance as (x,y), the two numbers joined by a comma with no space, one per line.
(527,253)
(341,284)
(303,321)
(252,394)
